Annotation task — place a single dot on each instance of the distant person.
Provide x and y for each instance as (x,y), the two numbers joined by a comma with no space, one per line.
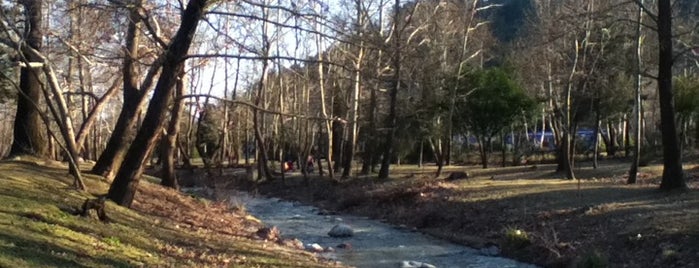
(288,163)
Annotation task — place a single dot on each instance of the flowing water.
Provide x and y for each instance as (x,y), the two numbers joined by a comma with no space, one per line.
(374,244)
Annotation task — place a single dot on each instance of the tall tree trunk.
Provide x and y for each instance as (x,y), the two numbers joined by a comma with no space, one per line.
(627,135)
(125,183)
(65,123)
(354,109)
(324,110)
(503,149)
(258,122)
(29,134)
(610,139)
(388,143)
(633,171)
(673,176)
(422,151)
(338,144)
(263,159)
(568,128)
(468,27)
(595,150)
(225,152)
(370,142)
(114,153)
(482,146)
(438,152)
(168,175)
(283,150)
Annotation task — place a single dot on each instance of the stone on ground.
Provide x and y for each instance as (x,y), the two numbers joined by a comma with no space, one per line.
(341,230)
(314,247)
(416,264)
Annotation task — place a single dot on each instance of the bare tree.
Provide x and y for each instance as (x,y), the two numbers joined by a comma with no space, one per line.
(126,181)
(354,100)
(113,154)
(395,64)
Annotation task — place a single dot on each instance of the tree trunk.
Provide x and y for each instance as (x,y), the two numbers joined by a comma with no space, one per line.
(482,144)
(567,155)
(422,151)
(633,171)
(354,109)
(114,152)
(673,176)
(610,140)
(125,184)
(438,152)
(324,111)
(168,175)
(65,124)
(503,150)
(627,135)
(338,144)
(388,143)
(263,159)
(370,142)
(595,150)
(29,134)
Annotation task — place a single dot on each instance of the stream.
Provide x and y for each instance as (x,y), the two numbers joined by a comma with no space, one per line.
(374,244)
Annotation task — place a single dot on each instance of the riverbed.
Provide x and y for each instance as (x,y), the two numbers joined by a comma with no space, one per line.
(374,244)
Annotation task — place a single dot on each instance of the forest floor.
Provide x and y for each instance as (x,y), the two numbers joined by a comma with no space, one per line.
(39,227)
(530,212)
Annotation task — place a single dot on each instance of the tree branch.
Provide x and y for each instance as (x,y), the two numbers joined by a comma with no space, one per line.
(261,109)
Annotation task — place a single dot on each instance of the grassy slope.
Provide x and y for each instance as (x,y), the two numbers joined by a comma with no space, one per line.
(165,228)
(566,221)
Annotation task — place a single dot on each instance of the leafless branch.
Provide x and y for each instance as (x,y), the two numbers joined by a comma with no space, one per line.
(261,109)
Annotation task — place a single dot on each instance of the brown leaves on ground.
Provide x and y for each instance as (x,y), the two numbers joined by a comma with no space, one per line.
(191,212)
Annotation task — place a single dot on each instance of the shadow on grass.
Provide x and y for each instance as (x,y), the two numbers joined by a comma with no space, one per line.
(41,254)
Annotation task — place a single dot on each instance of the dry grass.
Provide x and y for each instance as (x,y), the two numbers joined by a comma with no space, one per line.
(597,215)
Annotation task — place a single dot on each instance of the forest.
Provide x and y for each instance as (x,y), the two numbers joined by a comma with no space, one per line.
(350,91)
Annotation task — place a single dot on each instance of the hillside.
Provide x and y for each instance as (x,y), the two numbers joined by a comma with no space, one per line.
(38,227)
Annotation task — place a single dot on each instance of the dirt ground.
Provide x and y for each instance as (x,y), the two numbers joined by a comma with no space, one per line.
(530,212)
